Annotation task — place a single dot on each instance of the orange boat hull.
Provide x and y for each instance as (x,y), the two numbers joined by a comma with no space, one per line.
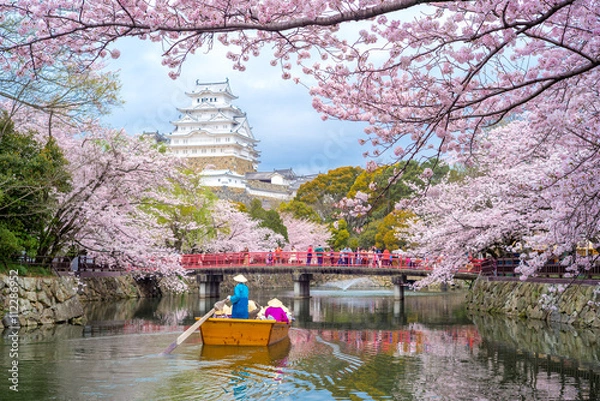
(243,332)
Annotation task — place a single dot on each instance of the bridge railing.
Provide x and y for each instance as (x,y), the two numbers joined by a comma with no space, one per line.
(291,258)
(506,267)
(64,264)
(303,258)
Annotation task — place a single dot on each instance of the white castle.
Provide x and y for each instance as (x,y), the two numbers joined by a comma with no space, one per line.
(214,136)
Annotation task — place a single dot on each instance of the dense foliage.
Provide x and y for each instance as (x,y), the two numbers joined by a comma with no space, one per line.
(31,176)
(331,195)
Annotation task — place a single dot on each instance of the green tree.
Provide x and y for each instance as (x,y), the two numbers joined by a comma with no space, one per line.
(366,237)
(339,234)
(188,219)
(300,210)
(31,174)
(268,218)
(385,186)
(390,229)
(323,192)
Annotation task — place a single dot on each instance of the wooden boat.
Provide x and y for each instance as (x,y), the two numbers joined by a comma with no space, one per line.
(243,332)
(245,355)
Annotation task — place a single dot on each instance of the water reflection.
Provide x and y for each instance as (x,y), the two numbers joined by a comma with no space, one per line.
(355,344)
(542,339)
(555,356)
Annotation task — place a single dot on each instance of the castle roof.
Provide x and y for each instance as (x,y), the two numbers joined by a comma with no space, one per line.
(212,88)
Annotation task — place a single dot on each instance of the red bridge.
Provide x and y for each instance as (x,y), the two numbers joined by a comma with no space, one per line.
(346,262)
(211,267)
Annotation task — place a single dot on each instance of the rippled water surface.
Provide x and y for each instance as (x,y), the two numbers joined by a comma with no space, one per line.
(344,345)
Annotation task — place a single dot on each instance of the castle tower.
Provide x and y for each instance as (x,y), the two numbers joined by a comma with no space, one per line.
(214,134)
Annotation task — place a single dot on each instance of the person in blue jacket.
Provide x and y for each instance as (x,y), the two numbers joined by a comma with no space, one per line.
(239,299)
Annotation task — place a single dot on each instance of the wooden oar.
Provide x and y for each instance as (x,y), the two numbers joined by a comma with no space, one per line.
(182,337)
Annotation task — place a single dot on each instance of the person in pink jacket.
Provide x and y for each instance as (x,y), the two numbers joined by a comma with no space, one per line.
(275,311)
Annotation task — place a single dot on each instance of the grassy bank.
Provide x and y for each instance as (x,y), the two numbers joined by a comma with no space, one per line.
(26,270)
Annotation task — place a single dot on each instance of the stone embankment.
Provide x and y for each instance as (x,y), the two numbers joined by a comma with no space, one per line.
(48,300)
(578,305)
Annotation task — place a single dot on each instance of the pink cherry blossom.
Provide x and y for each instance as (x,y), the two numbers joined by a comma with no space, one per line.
(436,78)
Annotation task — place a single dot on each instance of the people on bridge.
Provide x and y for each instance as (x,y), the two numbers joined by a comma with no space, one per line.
(331,255)
(372,256)
(309,255)
(364,257)
(276,311)
(239,299)
(293,255)
(278,255)
(387,257)
(246,256)
(320,252)
(347,255)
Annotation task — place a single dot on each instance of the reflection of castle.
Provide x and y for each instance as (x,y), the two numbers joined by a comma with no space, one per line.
(215,138)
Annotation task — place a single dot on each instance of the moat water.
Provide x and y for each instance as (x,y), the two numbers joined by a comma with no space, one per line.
(357,344)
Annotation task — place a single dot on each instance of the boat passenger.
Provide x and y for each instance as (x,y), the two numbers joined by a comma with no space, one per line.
(276,311)
(253,309)
(239,299)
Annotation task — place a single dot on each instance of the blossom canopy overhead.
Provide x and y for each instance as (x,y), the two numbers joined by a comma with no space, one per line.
(431,72)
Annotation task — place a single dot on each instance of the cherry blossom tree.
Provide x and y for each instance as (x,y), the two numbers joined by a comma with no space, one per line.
(429,77)
(188,212)
(304,232)
(110,211)
(432,72)
(234,230)
(538,197)
(59,86)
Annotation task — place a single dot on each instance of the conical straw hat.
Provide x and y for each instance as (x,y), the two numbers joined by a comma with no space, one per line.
(275,303)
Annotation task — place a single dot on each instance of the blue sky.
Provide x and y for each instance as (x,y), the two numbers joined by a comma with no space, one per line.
(290,131)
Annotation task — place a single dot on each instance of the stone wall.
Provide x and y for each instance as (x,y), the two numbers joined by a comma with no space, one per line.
(39,300)
(267,186)
(235,164)
(578,305)
(110,288)
(49,300)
